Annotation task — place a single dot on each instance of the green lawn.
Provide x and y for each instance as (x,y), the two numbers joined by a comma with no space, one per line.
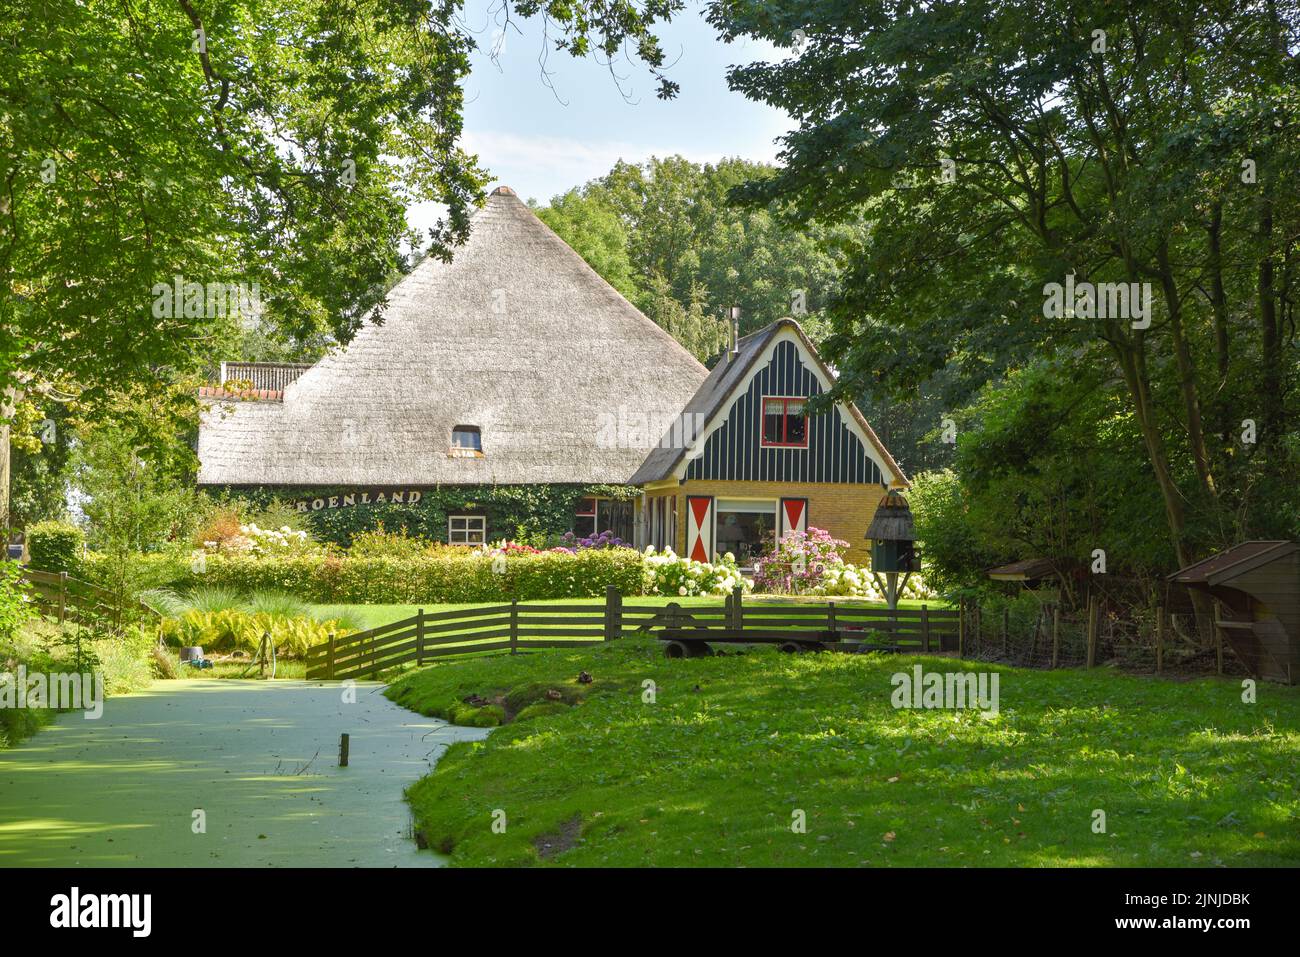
(372,616)
(712,771)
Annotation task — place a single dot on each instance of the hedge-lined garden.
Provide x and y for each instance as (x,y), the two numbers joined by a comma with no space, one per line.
(454,575)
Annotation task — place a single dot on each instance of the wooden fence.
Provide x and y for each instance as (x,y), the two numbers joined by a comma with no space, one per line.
(60,595)
(510,627)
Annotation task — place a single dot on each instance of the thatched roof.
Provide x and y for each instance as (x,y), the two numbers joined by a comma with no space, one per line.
(892,521)
(517,335)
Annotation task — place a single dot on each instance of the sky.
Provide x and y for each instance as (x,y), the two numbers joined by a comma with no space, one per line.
(543,141)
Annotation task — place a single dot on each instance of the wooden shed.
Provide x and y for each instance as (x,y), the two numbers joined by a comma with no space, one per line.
(1258,586)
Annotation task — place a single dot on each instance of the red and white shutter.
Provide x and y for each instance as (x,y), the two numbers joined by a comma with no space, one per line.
(793,515)
(699,527)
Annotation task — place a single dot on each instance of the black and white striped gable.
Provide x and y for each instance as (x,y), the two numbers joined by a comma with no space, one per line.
(731,450)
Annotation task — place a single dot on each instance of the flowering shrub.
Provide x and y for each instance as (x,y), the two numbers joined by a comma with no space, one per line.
(798,563)
(852,581)
(667,573)
(605,539)
(252,540)
(809,563)
(511,548)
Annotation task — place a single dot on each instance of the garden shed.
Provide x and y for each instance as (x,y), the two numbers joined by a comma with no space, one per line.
(1258,587)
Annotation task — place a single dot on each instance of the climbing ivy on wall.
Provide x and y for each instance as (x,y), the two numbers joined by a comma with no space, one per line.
(531,514)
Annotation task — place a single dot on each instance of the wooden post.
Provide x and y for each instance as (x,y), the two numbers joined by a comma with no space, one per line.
(961,629)
(63,596)
(925,628)
(514,626)
(343,750)
(1006,627)
(673,622)
(1160,638)
(1218,650)
(419,637)
(1056,634)
(613,614)
(330,661)
(737,622)
(1092,630)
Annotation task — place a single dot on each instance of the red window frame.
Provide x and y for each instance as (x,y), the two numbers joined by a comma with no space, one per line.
(785,422)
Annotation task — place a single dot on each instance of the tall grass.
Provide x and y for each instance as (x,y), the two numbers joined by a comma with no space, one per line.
(349,617)
(276,603)
(214,598)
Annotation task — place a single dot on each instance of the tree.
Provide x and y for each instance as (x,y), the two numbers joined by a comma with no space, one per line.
(665,234)
(175,167)
(1153,145)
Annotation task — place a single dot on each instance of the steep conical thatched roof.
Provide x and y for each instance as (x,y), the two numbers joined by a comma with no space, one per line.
(517,336)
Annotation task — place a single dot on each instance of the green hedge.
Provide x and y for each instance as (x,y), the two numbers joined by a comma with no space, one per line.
(435,580)
(54,546)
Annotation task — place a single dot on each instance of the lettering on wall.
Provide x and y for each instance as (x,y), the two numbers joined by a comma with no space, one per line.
(351,499)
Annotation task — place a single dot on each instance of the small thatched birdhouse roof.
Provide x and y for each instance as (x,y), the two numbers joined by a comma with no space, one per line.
(893,520)
(516,340)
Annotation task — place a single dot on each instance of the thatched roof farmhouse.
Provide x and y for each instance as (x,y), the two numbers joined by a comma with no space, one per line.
(516,366)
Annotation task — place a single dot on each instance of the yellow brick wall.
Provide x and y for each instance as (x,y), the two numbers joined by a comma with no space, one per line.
(843,510)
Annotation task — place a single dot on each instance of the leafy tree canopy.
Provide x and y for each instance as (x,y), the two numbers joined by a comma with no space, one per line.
(998,148)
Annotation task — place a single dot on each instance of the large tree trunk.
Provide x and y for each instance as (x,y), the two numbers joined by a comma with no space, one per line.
(1219,303)
(7,404)
(1271,374)
(1186,374)
(1132,361)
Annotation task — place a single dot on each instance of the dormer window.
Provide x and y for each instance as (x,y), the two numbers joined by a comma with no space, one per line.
(466,440)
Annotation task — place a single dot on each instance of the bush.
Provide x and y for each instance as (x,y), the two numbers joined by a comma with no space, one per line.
(16,603)
(55,546)
(126,661)
(445,575)
(383,544)
(667,573)
(799,562)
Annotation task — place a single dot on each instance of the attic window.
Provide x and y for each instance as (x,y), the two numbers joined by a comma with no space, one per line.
(785,422)
(467,440)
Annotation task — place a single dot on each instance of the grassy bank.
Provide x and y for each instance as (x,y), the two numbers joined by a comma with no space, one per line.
(713,771)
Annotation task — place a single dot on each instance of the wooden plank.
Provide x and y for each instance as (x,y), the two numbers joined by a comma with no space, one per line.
(525,632)
(361,671)
(593,620)
(503,645)
(474,612)
(597,611)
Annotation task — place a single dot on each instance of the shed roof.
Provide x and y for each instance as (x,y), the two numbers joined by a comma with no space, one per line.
(1236,561)
(516,335)
(1029,569)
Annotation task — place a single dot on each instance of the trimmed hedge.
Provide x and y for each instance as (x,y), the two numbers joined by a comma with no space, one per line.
(54,546)
(329,580)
